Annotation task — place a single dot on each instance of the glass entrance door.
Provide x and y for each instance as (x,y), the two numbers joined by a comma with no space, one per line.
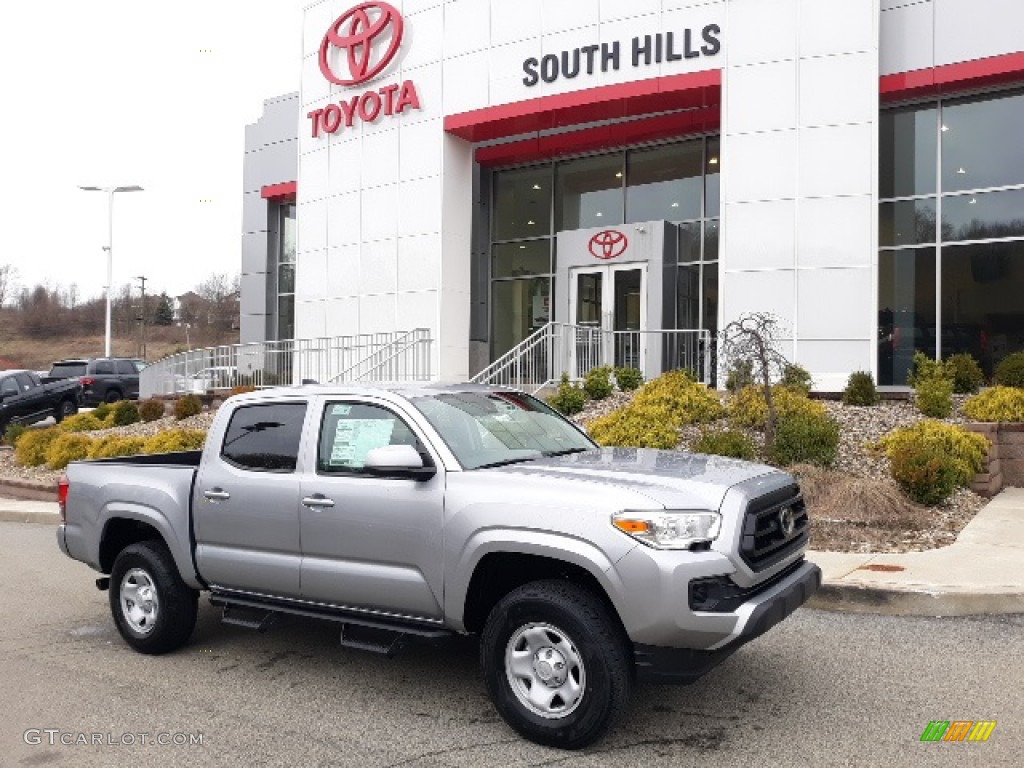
(608,305)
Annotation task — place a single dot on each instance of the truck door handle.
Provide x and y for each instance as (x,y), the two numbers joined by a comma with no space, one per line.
(318,500)
(216,494)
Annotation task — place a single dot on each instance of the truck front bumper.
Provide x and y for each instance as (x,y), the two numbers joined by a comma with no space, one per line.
(757,616)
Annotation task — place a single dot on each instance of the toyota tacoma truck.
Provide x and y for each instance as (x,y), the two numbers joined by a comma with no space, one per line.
(424,511)
(24,399)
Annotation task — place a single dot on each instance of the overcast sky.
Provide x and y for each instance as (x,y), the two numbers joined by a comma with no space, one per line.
(120,92)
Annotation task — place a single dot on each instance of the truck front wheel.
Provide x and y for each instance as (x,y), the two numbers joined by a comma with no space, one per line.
(154,610)
(556,664)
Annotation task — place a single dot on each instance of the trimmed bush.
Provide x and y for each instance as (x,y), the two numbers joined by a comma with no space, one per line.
(32,446)
(797,378)
(103,411)
(740,376)
(173,440)
(681,397)
(13,432)
(965,372)
(924,368)
(934,397)
(748,408)
(82,422)
(806,438)
(860,389)
(636,427)
(68,447)
(186,406)
(598,383)
(113,446)
(569,399)
(151,410)
(924,472)
(725,442)
(125,412)
(996,404)
(1010,371)
(966,449)
(628,379)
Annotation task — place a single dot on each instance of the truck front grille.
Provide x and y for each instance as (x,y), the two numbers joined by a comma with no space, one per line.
(766,537)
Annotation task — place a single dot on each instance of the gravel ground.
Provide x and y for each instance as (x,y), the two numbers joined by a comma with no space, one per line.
(860,427)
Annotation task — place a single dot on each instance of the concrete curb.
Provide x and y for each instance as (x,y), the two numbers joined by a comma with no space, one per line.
(38,518)
(28,490)
(890,601)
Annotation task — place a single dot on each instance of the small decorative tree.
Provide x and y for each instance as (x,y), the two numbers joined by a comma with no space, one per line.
(753,339)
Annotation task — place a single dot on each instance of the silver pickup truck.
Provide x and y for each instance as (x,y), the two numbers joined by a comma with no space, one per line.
(409,512)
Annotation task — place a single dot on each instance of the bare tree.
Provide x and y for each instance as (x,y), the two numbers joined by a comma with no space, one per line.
(753,339)
(219,293)
(8,277)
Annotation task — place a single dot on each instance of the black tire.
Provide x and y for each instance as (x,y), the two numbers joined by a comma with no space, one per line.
(65,409)
(112,396)
(591,632)
(177,603)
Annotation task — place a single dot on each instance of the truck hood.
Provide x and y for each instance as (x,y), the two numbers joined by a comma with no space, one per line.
(672,479)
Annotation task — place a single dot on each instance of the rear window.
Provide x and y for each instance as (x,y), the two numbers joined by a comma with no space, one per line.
(67,370)
(265,437)
(103,366)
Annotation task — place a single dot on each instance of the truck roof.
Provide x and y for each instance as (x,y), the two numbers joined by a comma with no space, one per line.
(404,389)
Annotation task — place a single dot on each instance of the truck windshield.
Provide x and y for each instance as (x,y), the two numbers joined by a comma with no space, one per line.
(489,429)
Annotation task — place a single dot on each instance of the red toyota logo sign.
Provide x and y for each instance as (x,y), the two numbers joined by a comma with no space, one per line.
(361,31)
(608,244)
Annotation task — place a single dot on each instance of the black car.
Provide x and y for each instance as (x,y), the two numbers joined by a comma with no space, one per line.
(24,399)
(104,379)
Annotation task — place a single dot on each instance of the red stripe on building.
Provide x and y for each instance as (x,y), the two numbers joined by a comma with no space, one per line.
(952,78)
(279,191)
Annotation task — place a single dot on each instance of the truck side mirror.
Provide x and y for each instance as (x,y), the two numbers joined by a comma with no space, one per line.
(398,461)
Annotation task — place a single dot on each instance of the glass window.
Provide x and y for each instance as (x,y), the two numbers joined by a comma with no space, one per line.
(517,259)
(264,438)
(67,370)
(9,386)
(906,311)
(689,242)
(712,179)
(286,278)
(589,192)
(126,368)
(711,240)
(518,308)
(24,381)
(908,222)
(349,431)
(286,317)
(522,203)
(710,303)
(983,216)
(665,183)
(907,151)
(688,294)
(589,298)
(982,306)
(981,143)
(104,367)
(287,234)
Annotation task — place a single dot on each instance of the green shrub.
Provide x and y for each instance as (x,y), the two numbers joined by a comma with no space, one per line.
(112,446)
(628,379)
(68,447)
(103,412)
(13,432)
(82,422)
(965,372)
(172,440)
(681,397)
(725,442)
(935,397)
(996,404)
(151,410)
(569,399)
(967,449)
(1010,371)
(797,378)
(636,427)
(806,438)
(924,368)
(125,412)
(741,375)
(598,383)
(926,473)
(860,389)
(748,408)
(32,446)
(186,406)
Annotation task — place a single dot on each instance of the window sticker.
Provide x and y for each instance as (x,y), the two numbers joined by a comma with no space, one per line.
(341,410)
(354,438)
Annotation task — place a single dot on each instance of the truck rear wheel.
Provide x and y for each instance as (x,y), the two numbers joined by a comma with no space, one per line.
(556,664)
(66,409)
(154,610)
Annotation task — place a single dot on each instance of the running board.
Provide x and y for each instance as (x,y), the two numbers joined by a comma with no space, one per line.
(381,641)
(261,624)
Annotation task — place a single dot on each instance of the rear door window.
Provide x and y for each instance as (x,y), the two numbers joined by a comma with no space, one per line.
(104,367)
(264,437)
(125,368)
(24,381)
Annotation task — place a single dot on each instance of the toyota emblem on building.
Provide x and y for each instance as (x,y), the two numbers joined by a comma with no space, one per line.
(787,521)
(608,244)
(369,34)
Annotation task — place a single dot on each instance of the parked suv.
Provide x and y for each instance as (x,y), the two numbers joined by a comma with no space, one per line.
(104,380)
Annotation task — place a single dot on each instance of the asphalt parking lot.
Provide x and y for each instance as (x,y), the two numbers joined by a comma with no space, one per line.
(820,689)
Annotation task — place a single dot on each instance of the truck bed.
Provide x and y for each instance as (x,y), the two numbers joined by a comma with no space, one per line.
(176,459)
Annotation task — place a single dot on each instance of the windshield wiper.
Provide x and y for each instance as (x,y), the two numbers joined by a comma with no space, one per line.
(566,452)
(506,462)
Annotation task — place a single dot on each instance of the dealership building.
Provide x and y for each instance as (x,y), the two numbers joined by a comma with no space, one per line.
(490,170)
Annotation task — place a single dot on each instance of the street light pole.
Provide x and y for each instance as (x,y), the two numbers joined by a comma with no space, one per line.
(110,248)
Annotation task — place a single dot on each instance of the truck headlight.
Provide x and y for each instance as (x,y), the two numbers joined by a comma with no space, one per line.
(669,529)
